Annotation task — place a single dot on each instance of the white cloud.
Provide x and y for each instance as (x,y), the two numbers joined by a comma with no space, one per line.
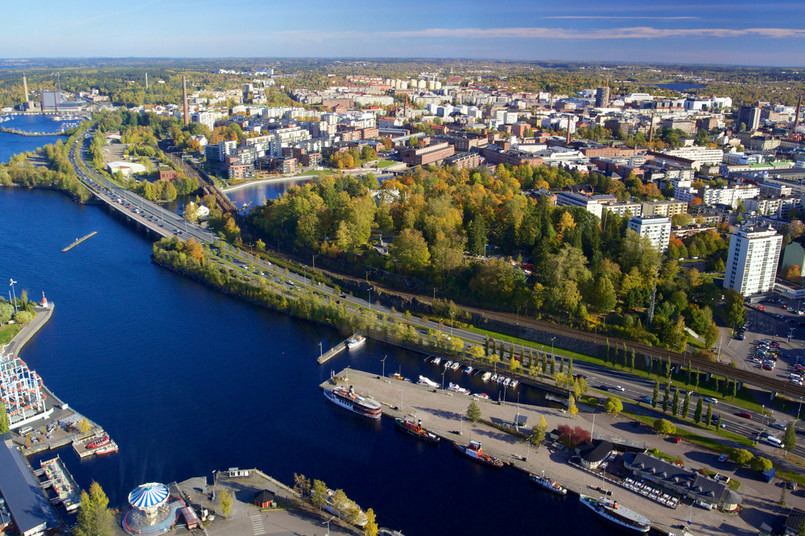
(636,32)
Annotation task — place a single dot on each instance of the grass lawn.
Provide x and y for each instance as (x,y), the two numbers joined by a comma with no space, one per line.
(314,172)
(385,163)
(8,331)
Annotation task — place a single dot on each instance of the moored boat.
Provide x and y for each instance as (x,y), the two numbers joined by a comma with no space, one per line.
(101,441)
(415,429)
(436,360)
(427,381)
(548,484)
(355,341)
(449,364)
(457,388)
(474,451)
(481,395)
(456,365)
(349,399)
(109,448)
(514,384)
(486,375)
(468,370)
(616,513)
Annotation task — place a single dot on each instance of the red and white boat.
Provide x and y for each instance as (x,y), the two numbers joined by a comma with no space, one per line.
(352,401)
(101,441)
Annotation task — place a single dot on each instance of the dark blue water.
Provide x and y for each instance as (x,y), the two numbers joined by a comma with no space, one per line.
(187,380)
(675,86)
(11,144)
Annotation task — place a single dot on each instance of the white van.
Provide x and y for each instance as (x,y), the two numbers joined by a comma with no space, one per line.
(24,430)
(771,440)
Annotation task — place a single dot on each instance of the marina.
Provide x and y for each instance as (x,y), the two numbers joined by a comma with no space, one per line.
(55,476)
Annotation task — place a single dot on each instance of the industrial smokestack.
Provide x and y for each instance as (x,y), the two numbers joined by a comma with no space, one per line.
(796,114)
(567,139)
(146,81)
(42,95)
(651,130)
(184,101)
(25,87)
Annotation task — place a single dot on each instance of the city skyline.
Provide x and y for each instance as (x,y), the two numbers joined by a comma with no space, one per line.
(738,33)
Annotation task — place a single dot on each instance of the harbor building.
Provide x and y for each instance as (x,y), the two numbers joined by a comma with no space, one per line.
(752,260)
(656,228)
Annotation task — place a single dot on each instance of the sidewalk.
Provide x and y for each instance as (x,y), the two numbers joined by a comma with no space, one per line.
(29,330)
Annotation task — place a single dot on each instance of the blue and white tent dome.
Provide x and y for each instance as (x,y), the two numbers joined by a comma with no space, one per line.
(148,496)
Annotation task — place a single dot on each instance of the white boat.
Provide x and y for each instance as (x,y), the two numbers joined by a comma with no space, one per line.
(468,370)
(617,513)
(427,381)
(449,364)
(355,341)
(486,375)
(494,377)
(350,400)
(481,395)
(456,365)
(514,384)
(506,382)
(458,389)
(436,360)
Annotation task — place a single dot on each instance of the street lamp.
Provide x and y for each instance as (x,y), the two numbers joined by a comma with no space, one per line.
(445,370)
(451,322)
(328,524)
(552,339)
(384,365)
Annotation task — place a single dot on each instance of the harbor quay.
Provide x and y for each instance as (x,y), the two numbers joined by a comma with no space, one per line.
(444,413)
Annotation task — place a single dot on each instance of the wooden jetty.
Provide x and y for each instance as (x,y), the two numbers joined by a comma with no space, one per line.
(78,241)
(83,451)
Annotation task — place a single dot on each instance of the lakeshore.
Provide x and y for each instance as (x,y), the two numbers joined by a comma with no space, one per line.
(444,413)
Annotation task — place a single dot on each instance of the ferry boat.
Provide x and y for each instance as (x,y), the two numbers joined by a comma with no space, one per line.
(486,375)
(341,509)
(548,484)
(416,430)
(349,399)
(355,341)
(474,451)
(101,441)
(616,513)
(427,381)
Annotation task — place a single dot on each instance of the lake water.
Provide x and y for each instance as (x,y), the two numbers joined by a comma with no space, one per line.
(11,144)
(258,194)
(187,380)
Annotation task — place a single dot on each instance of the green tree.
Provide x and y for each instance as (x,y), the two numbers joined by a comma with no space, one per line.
(718,424)
(94,517)
(761,464)
(675,403)
(553,365)
(741,456)
(664,427)
(613,405)
(226,500)
(709,418)
(734,305)
(473,412)
(656,395)
(631,360)
(790,437)
(537,435)
(410,251)
(318,494)
(697,414)
(301,485)
(3,419)
(6,312)
(23,317)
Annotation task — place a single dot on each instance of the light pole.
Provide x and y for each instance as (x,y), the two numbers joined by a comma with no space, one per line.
(384,365)
(799,411)
(445,370)
(321,352)
(451,322)
(552,339)
(328,524)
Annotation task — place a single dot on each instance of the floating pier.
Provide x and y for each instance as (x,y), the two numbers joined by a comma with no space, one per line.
(83,449)
(78,241)
(55,474)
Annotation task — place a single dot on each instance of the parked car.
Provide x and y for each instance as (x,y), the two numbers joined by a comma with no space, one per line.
(761,307)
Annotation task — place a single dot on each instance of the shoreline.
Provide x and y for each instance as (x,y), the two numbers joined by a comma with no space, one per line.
(260,182)
(43,314)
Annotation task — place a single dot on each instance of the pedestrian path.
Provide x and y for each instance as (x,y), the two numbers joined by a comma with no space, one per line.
(257,525)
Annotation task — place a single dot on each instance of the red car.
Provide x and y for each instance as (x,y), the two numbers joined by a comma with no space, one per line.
(744,414)
(761,307)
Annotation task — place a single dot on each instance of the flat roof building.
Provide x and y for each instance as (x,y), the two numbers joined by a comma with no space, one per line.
(752,260)
(656,228)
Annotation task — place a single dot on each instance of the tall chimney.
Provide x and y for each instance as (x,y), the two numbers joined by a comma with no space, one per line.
(25,87)
(184,100)
(651,130)
(42,95)
(796,114)
(146,81)
(567,139)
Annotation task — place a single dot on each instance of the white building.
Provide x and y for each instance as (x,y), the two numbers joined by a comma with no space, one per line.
(656,228)
(699,155)
(729,196)
(752,260)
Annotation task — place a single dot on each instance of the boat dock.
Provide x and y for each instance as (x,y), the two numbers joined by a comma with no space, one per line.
(332,352)
(83,450)
(78,241)
(54,474)
(444,413)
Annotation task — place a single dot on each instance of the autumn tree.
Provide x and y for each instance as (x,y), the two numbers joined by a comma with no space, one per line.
(94,517)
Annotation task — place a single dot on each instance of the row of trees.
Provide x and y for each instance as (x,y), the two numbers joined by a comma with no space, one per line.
(318,495)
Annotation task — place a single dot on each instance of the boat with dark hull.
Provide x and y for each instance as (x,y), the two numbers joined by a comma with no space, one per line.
(474,451)
(415,429)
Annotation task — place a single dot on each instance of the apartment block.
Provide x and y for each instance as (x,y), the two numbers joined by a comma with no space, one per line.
(752,260)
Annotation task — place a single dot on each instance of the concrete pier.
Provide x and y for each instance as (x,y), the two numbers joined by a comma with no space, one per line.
(332,352)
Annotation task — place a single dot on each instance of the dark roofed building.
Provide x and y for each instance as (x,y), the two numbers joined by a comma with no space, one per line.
(680,481)
(593,453)
(30,509)
(792,523)
(264,499)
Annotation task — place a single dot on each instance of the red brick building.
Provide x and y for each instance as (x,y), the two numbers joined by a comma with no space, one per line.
(429,154)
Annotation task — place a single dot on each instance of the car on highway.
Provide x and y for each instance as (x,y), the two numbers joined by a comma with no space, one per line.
(778,425)
(723,458)
(618,388)
(744,414)
(646,399)
(710,399)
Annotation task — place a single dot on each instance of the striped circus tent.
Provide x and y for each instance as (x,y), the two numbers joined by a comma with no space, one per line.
(148,496)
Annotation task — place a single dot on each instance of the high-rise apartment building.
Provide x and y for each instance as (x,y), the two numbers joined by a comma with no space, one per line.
(656,228)
(752,260)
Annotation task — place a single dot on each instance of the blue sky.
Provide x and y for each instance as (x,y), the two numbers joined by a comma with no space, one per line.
(737,32)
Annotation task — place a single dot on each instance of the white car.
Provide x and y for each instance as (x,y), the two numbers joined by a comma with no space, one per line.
(711,399)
